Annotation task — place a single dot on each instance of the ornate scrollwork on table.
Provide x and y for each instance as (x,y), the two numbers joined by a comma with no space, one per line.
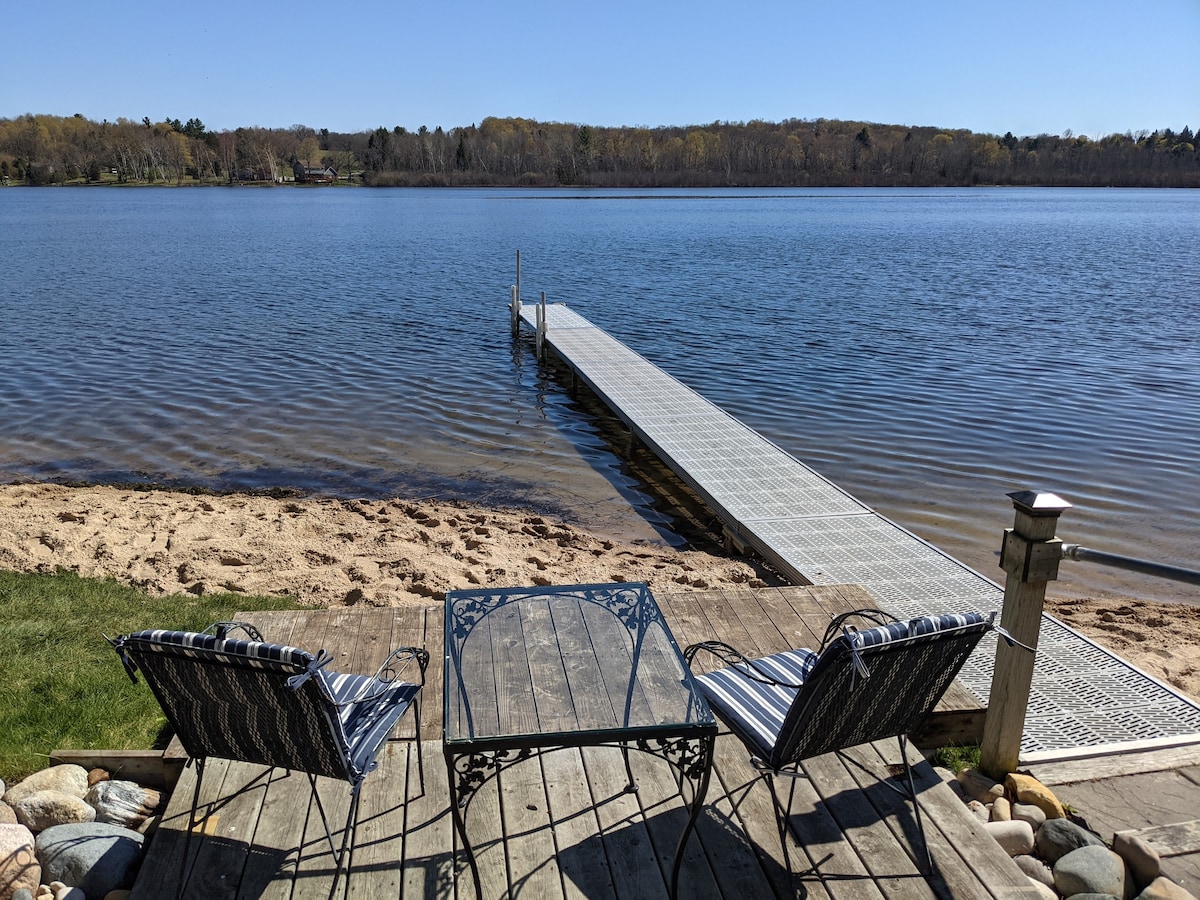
(472,770)
(689,755)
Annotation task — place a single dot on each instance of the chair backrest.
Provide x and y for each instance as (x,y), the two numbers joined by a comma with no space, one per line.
(230,699)
(876,683)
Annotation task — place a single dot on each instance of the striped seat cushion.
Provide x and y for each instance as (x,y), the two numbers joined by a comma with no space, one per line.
(756,711)
(367,724)
(753,709)
(257,654)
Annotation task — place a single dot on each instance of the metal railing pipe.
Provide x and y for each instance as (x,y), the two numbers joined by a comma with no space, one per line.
(1129,563)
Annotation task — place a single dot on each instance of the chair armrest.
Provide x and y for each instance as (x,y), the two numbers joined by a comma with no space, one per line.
(220,630)
(838,626)
(388,673)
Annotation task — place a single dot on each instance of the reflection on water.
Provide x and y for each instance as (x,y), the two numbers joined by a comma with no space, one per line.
(930,351)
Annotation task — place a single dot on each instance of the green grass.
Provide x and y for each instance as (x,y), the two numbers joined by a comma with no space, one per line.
(61,684)
(956,757)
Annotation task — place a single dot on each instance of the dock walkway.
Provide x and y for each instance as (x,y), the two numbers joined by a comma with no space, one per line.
(1083,697)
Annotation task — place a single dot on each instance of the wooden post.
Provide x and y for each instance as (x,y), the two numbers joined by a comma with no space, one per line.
(514,309)
(1029,557)
(541,325)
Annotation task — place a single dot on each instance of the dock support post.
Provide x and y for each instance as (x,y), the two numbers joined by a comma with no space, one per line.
(514,305)
(1029,556)
(541,325)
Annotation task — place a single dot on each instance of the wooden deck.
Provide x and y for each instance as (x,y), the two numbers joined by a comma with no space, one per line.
(560,825)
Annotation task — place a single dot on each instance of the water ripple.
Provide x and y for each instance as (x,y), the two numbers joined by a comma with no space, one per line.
(930,351)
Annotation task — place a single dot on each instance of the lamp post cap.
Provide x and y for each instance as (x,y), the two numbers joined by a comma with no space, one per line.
(1039,503)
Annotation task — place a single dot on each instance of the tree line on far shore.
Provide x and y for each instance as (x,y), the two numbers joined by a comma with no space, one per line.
(43,150)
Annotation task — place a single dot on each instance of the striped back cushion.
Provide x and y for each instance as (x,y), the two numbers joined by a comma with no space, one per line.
(229,698)
(876,683)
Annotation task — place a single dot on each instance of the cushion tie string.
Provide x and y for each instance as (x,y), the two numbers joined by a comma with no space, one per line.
(320,661)
(856,660)
(126,660)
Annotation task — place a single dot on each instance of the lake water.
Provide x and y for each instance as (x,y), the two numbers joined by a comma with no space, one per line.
(929,351)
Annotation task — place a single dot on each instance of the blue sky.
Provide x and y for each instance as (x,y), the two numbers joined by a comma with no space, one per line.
(1094,67)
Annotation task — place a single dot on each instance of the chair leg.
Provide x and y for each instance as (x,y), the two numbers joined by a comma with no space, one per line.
(191,823)
(420,754)
(912,795)
(349,833)
(781,817)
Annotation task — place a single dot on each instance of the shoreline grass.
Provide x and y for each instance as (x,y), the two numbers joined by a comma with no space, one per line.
(61,684)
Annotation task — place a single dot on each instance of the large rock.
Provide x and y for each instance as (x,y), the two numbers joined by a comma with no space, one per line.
(19,867)
(1036,869)
(7,816)
(96,858)
(1092,870)
(123,803)
(1028,789)
(1162,888)
(1142,859)
(1015,838)
(66,779)
(1058,837)
(979,787)
(45,809)
(1027,812)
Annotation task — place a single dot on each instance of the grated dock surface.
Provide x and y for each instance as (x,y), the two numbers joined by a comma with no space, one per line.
(815,532)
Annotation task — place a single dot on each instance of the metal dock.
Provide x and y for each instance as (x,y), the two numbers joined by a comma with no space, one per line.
(812,531)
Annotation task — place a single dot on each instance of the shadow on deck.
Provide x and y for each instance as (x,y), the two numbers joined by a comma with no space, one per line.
(561,824)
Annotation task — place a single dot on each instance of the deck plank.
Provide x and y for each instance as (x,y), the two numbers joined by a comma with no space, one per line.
(582,861)
(585,836)
(429,864)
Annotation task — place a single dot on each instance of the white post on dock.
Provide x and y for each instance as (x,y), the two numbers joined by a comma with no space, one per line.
(1029,557)
(541,325)
(514,304)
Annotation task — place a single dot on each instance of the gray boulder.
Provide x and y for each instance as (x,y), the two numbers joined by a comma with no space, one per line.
(1058,837)
(1092,870)
(96,857)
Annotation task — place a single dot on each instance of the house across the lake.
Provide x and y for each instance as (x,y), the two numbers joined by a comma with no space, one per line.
(313,174)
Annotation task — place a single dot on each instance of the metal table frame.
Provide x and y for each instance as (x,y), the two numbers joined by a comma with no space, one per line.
(640,696)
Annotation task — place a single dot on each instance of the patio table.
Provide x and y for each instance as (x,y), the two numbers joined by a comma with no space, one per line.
(532,670)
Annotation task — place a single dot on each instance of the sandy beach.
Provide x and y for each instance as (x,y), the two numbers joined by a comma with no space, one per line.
(329,552)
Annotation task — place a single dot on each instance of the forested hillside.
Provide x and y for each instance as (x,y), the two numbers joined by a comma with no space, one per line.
(39,150)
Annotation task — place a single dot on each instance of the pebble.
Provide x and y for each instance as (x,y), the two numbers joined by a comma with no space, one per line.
(1035,869)
(1002,811)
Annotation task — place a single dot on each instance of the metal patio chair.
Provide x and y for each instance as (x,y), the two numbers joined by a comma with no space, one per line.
(860,686)
(276,706)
